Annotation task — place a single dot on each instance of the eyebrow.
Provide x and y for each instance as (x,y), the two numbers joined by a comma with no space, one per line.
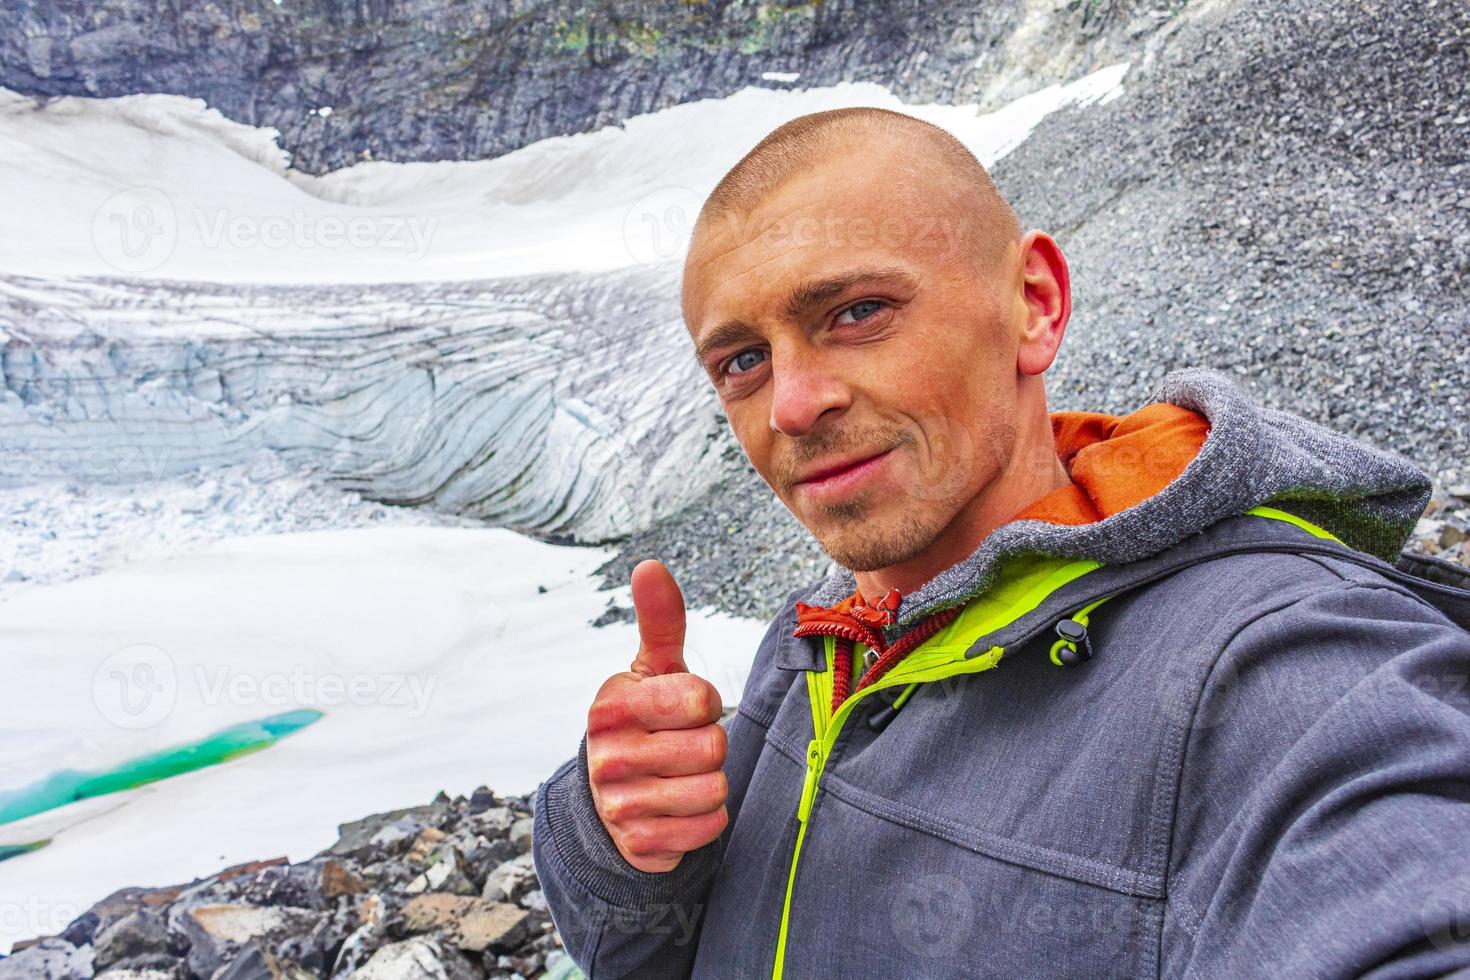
(802,298)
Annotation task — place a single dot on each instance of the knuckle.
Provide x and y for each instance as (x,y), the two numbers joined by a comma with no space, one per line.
(601,767)
(719,786)
(715,746)
(602,715)
(640,839)
(615,807)
(694,703)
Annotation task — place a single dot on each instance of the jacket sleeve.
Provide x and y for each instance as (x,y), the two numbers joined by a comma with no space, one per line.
(615,920)
(1322,827)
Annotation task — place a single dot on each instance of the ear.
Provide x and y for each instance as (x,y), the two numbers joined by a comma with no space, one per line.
(1046,293)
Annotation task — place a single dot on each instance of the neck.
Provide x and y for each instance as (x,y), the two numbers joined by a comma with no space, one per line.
(1032,472)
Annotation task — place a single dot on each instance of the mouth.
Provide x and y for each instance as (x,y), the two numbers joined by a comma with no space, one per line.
(841,478)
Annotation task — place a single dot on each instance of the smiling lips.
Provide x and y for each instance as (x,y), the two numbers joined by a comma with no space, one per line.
(839,479)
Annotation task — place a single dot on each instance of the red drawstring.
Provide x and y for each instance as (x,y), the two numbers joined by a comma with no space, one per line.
(852,621)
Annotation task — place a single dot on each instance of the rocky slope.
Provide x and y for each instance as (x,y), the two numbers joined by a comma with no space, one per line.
(445,890)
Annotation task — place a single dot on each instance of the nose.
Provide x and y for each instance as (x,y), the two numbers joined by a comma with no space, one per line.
(802,393)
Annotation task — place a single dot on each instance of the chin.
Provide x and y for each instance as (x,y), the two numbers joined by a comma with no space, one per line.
(862,546)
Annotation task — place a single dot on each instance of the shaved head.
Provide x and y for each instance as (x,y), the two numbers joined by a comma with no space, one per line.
(876,326)
(984,222)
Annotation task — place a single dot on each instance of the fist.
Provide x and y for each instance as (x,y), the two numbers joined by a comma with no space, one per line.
(654,745)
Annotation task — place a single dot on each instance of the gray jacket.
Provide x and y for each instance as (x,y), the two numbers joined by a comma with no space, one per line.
(1263,770)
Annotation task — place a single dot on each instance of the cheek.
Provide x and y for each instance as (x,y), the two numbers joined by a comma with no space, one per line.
(752,431)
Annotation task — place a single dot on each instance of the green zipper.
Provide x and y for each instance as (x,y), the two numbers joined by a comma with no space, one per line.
(826,730)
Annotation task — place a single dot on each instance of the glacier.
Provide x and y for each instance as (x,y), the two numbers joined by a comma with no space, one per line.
(496,339)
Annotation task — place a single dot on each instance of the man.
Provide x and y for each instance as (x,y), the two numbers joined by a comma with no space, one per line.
(1092,697)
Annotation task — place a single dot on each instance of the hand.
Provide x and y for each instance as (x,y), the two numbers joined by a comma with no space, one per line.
(654,745)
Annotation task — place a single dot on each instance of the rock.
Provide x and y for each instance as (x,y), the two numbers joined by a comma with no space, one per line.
(83,929)
(474,924)
(1450,535)
(520,834)
(254,963)
(358,947)
(423,846)
(141,933)
(216,933)
(481,799)
(298,886)
(337,880)
(509,881)
(445,873)
(419,958)
(495,822)
(49,959)
(385,829)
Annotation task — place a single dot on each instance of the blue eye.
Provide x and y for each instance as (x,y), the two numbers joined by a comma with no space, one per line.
(872,305)
(743,362)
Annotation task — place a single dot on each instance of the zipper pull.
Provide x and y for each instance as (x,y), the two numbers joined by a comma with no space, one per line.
(1074,647)
(809,786)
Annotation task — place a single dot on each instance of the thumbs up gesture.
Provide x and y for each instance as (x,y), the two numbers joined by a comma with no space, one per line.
(654,745)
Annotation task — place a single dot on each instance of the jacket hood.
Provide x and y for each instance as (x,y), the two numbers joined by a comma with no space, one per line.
(1199,452)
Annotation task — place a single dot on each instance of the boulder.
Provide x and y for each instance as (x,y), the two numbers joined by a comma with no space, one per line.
(140,934)
(48,959)
(511,879)
(473,924)
(419,958)
(217,933)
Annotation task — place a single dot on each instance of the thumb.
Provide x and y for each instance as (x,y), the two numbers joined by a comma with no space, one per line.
(659,606)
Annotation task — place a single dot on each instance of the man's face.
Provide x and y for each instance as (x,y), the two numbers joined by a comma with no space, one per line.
(867,368)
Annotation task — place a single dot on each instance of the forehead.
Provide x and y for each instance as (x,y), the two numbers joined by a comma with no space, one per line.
(815,226)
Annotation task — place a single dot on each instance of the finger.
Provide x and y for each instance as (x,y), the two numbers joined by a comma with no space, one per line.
(659,837)
(654,704)
(654,796)
(659,704)
(632,755)
(659,606)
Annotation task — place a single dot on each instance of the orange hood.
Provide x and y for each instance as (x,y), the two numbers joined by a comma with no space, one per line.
(1117,461)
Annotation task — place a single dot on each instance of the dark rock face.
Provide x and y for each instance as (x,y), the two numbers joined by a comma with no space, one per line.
(437,80)
(372,902)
